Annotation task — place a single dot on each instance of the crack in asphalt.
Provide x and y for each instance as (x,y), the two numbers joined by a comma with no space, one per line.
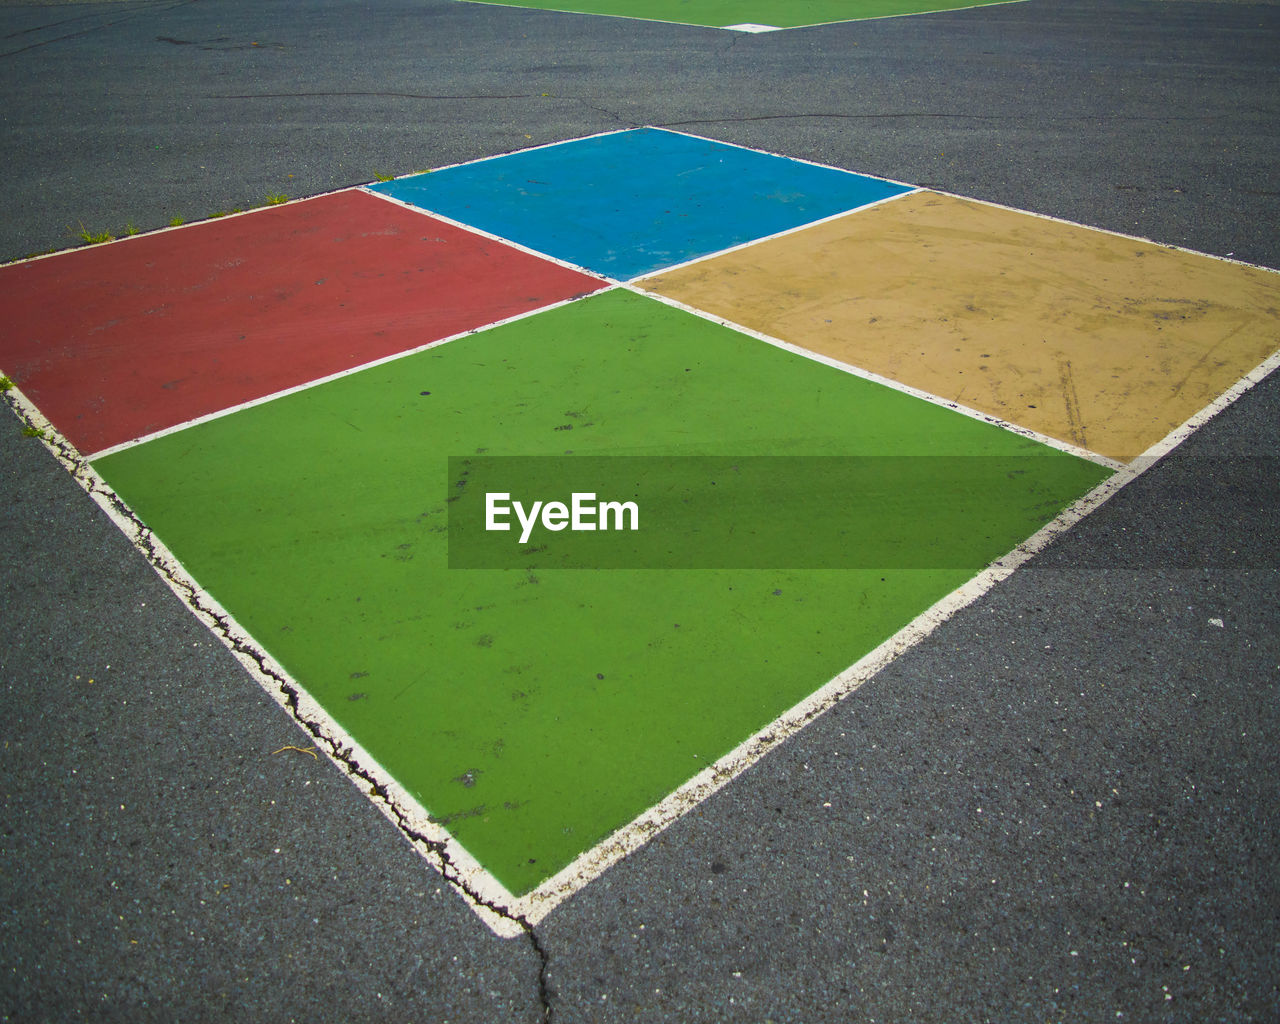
(146,542)
(132,12)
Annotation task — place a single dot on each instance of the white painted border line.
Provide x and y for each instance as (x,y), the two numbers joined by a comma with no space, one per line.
(537,904)
(597,14)
(915,189)
(852,211)
(471,229)
(486,895)
(889,382)
(1193,423)
(493,903)
(185,225)
(1103,231)
(510,152)
(627,131)
(784,156)
(362,187)
(316,382)
(427,211)
(905,14)
(755,29)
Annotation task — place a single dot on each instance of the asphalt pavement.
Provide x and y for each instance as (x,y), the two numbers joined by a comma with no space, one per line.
(1062,806)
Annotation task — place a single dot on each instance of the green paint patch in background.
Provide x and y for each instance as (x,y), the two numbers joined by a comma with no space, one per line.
(533,712)
(724,13)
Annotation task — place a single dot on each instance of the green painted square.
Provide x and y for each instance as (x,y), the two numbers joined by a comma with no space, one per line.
(729,13)
(533,713)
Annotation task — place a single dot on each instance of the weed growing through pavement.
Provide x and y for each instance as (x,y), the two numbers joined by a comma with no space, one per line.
(5,383)
(276,198)
(32,432)
(89,238)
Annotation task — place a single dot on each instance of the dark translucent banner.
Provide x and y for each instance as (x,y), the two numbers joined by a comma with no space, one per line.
(817,512)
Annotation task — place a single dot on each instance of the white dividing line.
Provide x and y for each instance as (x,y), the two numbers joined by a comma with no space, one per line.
(482,891)
(535,905)
(496,906)
(889,382)
(371,189)
(308,385)
(853,211)
(500,910)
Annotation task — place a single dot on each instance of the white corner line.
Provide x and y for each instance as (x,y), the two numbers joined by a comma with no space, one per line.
(889,382)
(537,904)
(1193,423)
(504,914)
(745,27)
(484,893)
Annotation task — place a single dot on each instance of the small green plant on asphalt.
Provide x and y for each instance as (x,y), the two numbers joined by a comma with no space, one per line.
(89,238)
(131,229)
(383,177)
(5,383)
(177,222)
(276,198)
(32,432)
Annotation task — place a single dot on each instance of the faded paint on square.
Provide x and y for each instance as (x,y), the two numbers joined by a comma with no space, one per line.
(1093,338)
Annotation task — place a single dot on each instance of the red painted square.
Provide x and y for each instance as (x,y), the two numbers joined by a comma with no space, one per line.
(118,341)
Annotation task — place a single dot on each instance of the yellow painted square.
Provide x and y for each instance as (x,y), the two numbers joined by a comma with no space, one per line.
(1100,340)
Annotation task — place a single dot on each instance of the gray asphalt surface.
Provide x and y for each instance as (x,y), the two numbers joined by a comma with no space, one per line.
(1061,807)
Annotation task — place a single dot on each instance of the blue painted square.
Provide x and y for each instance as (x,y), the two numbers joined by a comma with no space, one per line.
(633,202)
